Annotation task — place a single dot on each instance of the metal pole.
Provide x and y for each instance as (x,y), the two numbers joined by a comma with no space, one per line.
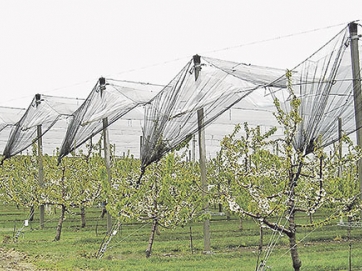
(357,92)
(202,153)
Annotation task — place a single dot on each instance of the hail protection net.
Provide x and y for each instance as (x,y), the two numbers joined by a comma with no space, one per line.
(172,116)
(108,101)
(9,116)
(323,82)
(43,112)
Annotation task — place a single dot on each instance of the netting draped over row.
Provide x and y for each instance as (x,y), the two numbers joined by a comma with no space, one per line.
(323,82)
(171,117)
(109,100)
(44,110)
(9,116)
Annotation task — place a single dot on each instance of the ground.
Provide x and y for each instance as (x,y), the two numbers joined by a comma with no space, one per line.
(13,260)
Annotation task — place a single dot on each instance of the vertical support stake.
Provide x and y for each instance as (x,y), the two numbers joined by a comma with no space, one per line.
(202,153)
(107,153)
(40,173)
(357,94)
(40,163)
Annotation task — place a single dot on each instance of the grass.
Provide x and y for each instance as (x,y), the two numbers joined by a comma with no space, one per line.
(325,248)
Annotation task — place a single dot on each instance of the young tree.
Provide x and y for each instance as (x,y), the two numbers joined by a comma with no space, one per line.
(272,187)
(19,183)
(167,196)
(75,182)
(342,174)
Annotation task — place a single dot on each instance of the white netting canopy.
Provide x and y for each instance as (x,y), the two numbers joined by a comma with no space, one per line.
(109,100)
(323,82)
(43,111)
(171,117)
(9,116)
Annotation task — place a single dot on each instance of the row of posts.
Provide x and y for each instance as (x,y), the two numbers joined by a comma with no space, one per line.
(201,134)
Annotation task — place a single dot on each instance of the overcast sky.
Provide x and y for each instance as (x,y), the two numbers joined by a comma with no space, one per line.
(61,48)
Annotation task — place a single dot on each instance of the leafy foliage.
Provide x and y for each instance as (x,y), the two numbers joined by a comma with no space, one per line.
(168,192)
(270,180)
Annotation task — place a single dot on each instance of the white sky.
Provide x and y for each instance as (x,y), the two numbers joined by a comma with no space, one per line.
(61,48)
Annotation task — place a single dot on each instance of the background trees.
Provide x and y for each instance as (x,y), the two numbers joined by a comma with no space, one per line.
(254,174)
(75,182)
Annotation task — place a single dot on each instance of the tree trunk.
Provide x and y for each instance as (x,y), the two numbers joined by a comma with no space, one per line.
(261,241)
(158,232)
(350,244)
(293,179)
(297,263)
(82,215)
(152,237)
(31,215)
(191,243)
(260,247)
(104,210)
(240,224)
(60,224)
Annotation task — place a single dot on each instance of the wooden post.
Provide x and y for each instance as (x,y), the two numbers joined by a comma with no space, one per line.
(193,148)
(202,153)
(40,164)
(357,92)
(141,145)
(107,154)
(107,160)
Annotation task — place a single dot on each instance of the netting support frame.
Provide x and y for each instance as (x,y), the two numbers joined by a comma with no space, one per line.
(202,155)
(40,174)
(357,91)
(107,153)
(107,161)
